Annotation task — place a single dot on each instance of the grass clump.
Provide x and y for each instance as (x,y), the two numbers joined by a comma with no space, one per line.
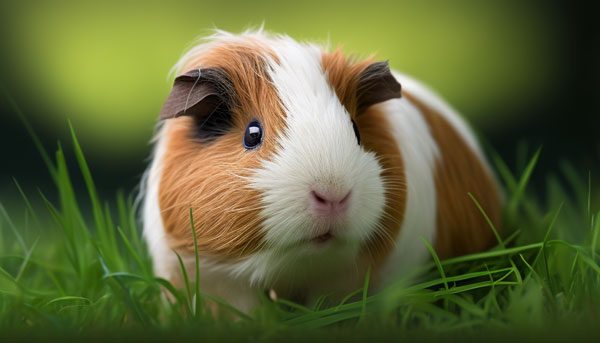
(70,273)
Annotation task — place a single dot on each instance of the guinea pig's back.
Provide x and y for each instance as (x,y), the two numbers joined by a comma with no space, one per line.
(442,164)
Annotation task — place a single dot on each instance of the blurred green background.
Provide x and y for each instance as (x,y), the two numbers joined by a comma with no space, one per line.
(519,71)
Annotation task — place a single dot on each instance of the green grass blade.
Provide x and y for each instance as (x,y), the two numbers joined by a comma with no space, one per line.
(90,185)
(27,203)
(26,260)
(589,197)
(13,228)
(121,290)
(8,284)
(294,306)
(488,220)
(348,297)
(34,137)
(466,305)
(365,292)
(67,299)
(596,234)
(523,181)
(132,252)
(186,282)
(197,298)
(505,173)
(437,262)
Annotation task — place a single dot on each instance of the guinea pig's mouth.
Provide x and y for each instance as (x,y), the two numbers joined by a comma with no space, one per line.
(322,239)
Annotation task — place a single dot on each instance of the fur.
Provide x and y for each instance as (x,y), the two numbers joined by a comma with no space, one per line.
(251,208)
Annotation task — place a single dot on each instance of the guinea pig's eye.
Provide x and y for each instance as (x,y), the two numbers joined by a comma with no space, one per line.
(253,135)
(356,131)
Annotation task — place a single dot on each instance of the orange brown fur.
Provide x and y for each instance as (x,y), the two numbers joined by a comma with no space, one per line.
(198,177)
(343,75)
(461,227)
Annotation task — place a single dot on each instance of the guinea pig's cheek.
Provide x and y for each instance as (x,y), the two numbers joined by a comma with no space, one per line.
(299,207)
(368,205)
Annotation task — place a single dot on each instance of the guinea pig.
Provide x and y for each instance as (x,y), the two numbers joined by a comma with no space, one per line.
(303,169)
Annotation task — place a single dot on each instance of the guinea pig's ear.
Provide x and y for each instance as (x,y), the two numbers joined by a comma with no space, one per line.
(376,84)
(196,93)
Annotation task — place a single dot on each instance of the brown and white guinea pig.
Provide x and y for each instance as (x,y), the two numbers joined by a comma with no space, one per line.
(304,168)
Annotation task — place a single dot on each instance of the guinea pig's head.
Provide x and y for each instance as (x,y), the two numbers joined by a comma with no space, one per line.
(266,142)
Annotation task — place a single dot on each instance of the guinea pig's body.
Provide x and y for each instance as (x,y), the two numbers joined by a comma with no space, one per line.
(303,169)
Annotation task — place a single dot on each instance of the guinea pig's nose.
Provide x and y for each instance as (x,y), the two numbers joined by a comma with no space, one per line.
(328,203)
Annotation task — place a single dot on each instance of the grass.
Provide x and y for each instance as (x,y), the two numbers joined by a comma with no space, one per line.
(80,268)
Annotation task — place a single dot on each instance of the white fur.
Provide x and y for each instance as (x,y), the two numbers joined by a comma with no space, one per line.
(432,99)
(164,260)
(317,147)
(419,153)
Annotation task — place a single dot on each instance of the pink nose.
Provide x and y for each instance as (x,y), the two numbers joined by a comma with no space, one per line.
(328,204)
